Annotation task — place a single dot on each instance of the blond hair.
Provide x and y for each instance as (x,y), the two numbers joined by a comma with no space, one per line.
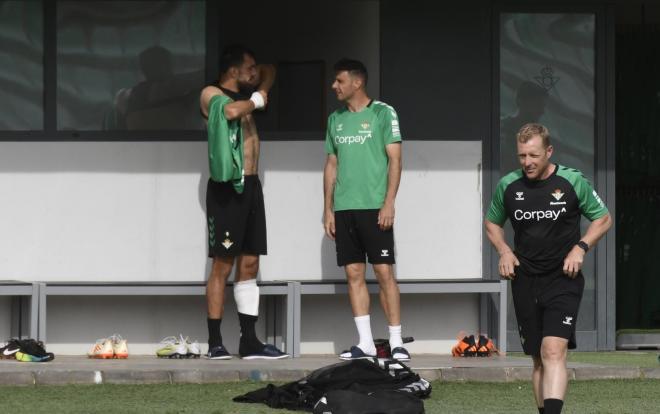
(529,131)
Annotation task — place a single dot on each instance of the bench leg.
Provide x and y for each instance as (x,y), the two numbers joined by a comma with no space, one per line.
(34,312)
(503,316)
(293,320)
(42,312)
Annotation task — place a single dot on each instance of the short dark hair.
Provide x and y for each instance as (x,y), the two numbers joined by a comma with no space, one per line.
(233,56)
(352,66)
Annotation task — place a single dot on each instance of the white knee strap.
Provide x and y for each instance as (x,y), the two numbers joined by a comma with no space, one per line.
(246,295)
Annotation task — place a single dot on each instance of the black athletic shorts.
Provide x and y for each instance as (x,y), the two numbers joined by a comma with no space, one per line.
(546,305)
(357,234)
(236,222)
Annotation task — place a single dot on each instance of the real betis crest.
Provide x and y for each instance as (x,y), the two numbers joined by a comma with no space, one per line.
(557,194)
(227,242)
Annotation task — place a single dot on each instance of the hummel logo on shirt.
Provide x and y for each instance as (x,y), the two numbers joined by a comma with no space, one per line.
(519,196)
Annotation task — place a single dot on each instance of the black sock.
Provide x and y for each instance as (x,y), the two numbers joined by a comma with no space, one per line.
(552,406)
(249,344)
(541,410)
(215,338)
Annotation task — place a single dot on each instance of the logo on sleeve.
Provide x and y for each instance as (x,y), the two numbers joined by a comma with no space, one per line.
(568,320)
(598,199)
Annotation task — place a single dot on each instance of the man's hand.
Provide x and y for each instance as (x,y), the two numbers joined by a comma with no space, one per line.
(508,262)
(573,262)
(386,216)
(329,224)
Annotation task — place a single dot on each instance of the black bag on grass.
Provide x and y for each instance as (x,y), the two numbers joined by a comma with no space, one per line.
(377,402)
(362,376)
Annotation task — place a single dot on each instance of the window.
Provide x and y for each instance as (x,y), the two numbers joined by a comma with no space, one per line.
(130,65)
(21,66)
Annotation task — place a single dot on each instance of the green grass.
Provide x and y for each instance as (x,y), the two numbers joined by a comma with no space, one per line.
(637,331)
(642,359)
(604,396)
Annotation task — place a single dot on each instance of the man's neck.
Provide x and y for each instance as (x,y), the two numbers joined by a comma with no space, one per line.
(548,171)
(358,102)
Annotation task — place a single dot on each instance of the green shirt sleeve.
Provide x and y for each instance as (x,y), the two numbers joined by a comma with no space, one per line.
(390,125)
(591,206)
(225,145)
(496,212)
(329,141)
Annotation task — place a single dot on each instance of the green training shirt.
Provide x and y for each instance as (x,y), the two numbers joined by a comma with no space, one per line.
(225,144)
(545,215)
(358,139)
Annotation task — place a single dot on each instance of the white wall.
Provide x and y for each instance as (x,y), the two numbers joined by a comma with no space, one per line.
(135,211)
(123,211)
(438,212)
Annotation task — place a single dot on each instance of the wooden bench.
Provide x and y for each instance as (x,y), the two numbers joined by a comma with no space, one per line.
(277,288)
(18,288)
(492,288)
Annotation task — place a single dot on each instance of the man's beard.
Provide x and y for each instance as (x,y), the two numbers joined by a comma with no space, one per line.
(246,89)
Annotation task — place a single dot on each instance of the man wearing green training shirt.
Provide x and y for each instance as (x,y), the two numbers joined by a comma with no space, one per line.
(545,202)
(234,199)
(361,179)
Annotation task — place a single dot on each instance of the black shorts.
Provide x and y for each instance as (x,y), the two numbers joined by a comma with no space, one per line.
(546,305)
(236,222)
(357,234)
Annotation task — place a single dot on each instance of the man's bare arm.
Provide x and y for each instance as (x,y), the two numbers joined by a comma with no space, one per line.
(386,213)
(575,258)
(232,110)
(329,179)
(508,260)
(266,77)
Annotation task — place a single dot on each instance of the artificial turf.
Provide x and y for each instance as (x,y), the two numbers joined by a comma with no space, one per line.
(599,396)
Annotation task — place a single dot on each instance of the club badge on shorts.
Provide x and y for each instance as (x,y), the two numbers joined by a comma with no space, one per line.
(227,242)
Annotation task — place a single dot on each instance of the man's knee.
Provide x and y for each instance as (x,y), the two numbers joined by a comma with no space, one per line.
(221,267)
(248,267)
(355,272)
(384,274)
(554,350)
(538,362)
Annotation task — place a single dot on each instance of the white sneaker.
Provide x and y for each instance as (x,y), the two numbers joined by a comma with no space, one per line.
(193,349)
(119,346)
(173,347)
(102,349)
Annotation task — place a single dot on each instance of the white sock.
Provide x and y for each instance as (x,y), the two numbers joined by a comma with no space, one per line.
(246,295)
(363,324)
(395,337)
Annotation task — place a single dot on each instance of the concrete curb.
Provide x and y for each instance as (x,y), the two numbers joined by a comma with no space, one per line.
(473,374)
